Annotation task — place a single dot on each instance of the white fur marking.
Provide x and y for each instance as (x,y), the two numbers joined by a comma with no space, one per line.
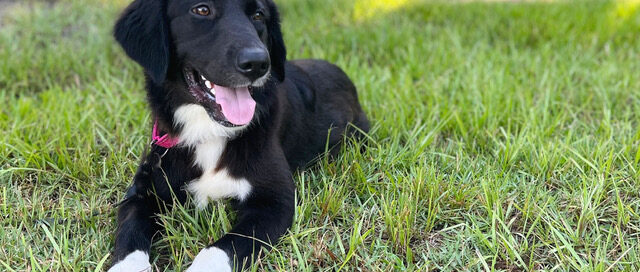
(136,261)
(207,154)
(209,140)
(211,259)
(216,185)
(198,127)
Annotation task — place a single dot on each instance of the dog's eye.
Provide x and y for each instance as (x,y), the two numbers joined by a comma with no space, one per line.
(258,16)
(201,10)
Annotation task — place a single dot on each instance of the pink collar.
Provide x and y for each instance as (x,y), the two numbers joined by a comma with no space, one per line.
(165,140)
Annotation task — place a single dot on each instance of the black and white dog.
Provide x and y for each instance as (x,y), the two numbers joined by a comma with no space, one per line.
(238,119)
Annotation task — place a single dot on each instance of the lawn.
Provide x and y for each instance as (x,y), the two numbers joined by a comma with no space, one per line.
(505,137)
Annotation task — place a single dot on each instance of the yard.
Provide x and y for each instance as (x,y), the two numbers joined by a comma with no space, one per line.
(505,138)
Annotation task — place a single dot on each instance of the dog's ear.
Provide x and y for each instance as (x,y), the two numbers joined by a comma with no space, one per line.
(143,33)
(277,50)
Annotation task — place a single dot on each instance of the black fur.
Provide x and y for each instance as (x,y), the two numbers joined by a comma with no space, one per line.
(144,35)
(297,107)
(277,50)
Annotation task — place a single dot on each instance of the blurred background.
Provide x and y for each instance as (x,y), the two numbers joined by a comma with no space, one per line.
(505,138)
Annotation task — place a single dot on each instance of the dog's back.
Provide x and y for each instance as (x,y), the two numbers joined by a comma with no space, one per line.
(323,108)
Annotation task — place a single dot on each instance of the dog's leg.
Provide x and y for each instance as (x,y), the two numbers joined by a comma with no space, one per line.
(262,219)
(136,225)
(133,237)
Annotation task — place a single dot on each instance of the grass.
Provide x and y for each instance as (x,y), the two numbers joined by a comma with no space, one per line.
(505,138)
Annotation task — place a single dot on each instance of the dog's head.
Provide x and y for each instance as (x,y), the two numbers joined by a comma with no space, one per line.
(214,53)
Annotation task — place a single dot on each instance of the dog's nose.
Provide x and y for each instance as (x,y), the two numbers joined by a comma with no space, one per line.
(253,62)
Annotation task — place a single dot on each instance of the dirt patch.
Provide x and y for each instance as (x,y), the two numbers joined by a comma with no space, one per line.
(5,7)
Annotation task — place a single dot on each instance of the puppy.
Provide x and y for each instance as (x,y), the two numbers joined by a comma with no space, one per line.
(233,119)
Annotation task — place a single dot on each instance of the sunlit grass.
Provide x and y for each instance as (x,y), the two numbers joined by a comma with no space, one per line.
(626,8)
(366,9)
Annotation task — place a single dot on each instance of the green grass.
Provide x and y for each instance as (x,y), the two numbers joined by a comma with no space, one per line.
(505,137)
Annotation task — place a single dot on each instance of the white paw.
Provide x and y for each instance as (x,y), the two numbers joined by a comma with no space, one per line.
(211,259)
(136,261)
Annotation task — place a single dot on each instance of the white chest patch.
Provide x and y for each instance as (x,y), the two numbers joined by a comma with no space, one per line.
(216,185)
(198,127)
(209,139)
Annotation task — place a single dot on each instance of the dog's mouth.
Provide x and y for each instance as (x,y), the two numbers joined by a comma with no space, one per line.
(229,106)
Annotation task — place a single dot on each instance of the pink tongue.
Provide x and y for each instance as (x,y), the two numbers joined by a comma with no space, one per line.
(237,104)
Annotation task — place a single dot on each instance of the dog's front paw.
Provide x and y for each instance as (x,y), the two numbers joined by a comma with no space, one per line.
(137,261)
(211,259)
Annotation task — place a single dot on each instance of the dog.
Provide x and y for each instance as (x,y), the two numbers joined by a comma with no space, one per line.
(233,120)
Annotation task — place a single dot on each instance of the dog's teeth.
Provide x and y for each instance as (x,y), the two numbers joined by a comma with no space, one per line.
(213,91)
(208,84)
(201,76)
